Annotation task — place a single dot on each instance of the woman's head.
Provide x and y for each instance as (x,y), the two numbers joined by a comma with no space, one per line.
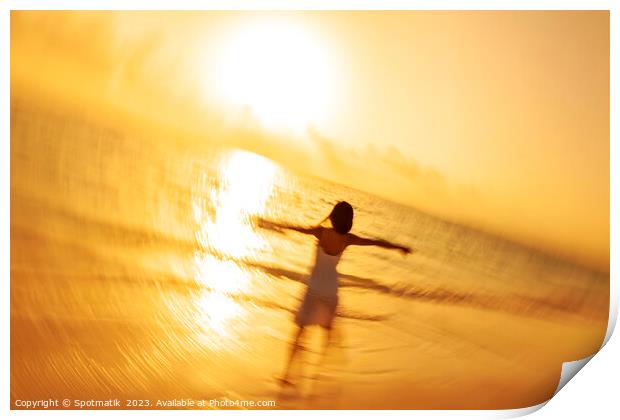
(341,217)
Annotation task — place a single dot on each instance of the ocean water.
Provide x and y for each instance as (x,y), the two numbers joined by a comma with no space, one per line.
(138,272)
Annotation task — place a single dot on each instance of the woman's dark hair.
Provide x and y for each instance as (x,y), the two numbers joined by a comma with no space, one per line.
(342,217)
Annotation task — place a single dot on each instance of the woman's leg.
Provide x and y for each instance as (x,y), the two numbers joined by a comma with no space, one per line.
(328,342)
(294,349)
(327,326)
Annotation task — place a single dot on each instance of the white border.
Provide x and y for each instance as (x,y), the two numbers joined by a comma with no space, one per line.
(570,406)
(614,174)
(5,239)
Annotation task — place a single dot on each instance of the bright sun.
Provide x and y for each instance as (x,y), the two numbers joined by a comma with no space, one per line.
(279,71)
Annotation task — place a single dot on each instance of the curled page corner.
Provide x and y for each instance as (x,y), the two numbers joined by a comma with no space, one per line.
(570,369)
(520,412)
(613,317)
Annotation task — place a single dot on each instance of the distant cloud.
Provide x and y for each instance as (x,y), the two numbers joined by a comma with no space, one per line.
(385,171)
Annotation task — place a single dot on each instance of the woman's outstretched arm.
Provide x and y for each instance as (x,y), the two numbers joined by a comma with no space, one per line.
(315,231)
(358,240)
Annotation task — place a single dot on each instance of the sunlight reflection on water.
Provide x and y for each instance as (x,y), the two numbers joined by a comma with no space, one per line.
(223,209)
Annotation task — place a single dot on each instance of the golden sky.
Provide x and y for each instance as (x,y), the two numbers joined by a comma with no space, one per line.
(496,119)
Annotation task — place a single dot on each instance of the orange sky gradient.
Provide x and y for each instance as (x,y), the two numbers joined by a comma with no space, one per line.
(495,119)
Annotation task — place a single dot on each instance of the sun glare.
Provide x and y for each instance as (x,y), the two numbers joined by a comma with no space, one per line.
(279,71)
(223,209)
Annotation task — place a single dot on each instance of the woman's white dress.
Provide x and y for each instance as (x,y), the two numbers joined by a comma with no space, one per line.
(321,299)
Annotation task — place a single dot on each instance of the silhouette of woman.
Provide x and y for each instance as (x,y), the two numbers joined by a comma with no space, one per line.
(320,301)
